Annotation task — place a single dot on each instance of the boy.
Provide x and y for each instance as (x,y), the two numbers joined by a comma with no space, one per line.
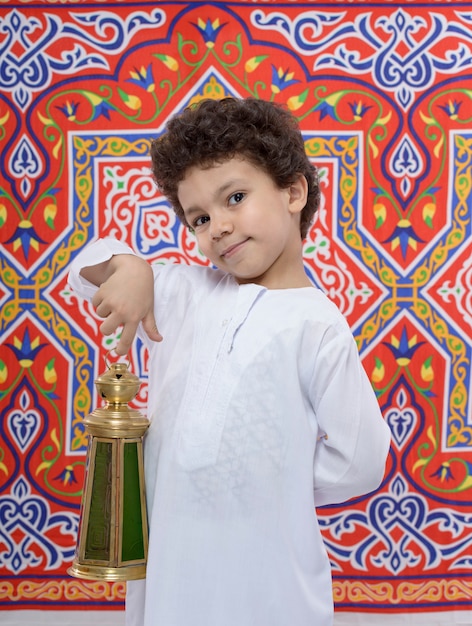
(260,408)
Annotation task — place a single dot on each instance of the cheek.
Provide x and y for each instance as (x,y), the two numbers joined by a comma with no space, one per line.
(203,243)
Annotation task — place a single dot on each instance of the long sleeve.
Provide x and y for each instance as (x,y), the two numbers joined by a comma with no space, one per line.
(93,254)
(350,459)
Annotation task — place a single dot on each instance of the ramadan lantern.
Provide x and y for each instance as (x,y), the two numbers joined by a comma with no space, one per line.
(113,535)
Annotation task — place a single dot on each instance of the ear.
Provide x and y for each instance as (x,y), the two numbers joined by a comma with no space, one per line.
(298,193)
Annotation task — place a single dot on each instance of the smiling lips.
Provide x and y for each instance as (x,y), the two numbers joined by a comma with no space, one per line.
(231,250)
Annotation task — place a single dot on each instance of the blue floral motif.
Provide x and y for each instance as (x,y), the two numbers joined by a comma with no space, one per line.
(25,164)
(27,63)
(402,533)
(402,419)
(361,49)
(312,21)
(406,163)
(26,523)
(24,422)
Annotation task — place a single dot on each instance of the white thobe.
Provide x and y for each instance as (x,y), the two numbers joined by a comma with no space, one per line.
(260,410)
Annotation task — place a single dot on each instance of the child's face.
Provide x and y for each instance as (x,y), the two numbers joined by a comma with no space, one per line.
(244,223)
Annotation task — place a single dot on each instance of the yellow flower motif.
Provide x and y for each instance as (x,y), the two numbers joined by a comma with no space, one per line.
(3,372)
(451,108)
(143,78)
(429,210)
(404,237)
(25,225)
(444,472)
(69,109)
(378,372)
(296,102)
(94,99)
(131,101)
(25,237)
(254,62)
(50,374)
(25,362)
(137,75)
(50,211)
(327,106)
(3,214)
(358,110)
(134,102)
(67,475)
(334,98)
(281,79)
(25,350)
(404,348)
(209,30)
(380,213)
(427,372)
(168,61)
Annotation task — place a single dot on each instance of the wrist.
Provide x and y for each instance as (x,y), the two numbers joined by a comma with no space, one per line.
(128,266)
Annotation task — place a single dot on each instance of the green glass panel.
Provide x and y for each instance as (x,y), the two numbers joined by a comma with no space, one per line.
(133,541)
(97,545)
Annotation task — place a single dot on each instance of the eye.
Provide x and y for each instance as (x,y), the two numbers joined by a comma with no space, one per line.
(237,197)
(199,221)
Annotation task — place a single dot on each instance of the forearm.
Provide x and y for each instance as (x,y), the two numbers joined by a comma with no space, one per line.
(90,267)
(98,274)
(127,267)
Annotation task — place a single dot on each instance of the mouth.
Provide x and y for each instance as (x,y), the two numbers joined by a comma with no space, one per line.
(233,249)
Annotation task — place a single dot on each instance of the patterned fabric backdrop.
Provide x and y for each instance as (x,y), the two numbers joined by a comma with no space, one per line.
(383,93)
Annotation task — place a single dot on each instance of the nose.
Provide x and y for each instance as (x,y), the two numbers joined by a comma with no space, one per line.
(220,225)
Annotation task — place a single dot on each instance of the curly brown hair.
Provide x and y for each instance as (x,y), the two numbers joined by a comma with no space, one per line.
(215,131)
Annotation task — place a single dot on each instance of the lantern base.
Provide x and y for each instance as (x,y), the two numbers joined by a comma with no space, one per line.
(105,572)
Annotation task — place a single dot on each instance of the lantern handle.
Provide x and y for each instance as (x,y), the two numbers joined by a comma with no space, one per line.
(107,362)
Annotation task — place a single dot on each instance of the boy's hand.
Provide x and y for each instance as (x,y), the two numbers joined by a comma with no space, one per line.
(125,298)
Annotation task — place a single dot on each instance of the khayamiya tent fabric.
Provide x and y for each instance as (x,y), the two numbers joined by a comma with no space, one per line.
(383,94)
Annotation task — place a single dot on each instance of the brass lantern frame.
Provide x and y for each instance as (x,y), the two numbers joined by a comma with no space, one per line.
(113,530)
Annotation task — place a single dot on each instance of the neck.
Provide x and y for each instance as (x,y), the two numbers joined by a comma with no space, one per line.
(291,276)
